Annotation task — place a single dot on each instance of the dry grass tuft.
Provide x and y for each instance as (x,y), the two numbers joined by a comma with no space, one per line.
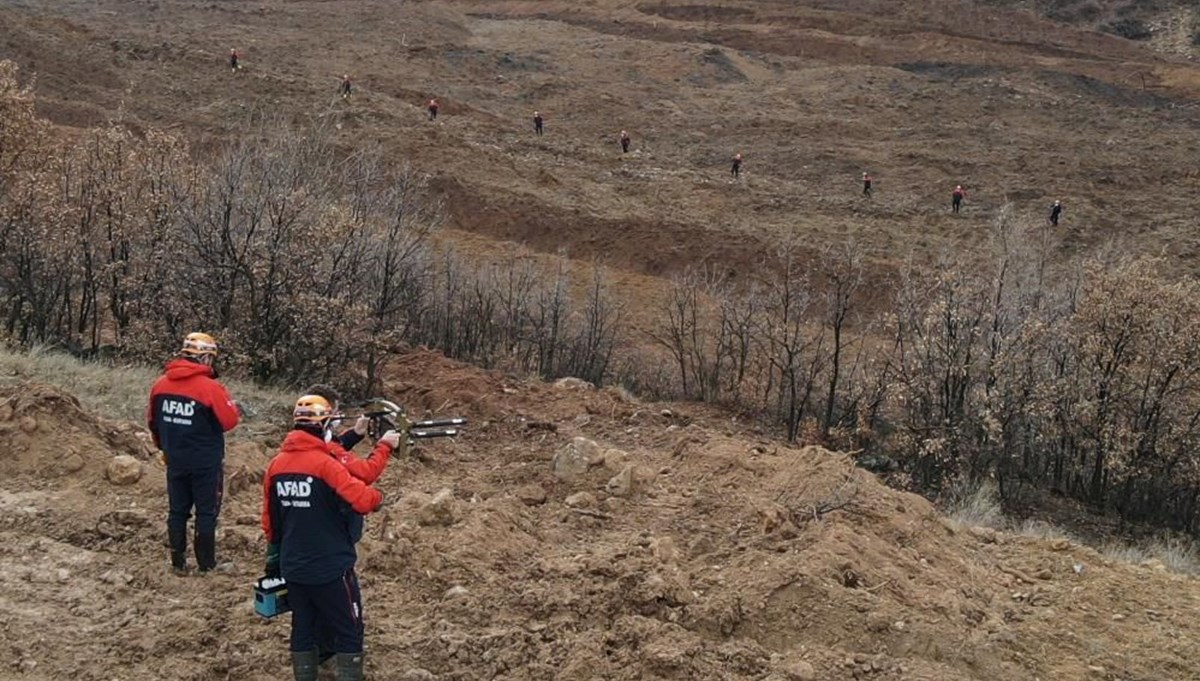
(977,507)
(1178,554)
(119,391)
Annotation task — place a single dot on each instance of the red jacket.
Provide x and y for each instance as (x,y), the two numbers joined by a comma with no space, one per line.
(310,505)
(369,469)
(188,415)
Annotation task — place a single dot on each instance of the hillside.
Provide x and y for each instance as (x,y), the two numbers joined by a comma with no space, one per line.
(678,546)
(1012,105)
(578,533)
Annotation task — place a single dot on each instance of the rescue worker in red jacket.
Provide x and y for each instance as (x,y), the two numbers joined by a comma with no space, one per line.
(433,109)
(188,415)
(538,122)
(368,470)
(736,168)
(309,503)
(233,59)
(867,184)
(347,86)
(956,198)
(351,437)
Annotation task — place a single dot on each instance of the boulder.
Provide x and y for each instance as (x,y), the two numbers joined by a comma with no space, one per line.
(614,459)
(71,463)
(456,591)
(573,460)
(581,500)
(531,495)
(801,671)
(123,470)
(28,424)
(572,383)
(441,510)
(664,549)
(622,484)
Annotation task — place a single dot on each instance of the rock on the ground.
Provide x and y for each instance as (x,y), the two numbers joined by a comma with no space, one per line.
(581,500)
(573,460)
(456,591)
(531,495)
(801,671)
(123,470)
(440,510)
(622,484)
(664,549)
(418,675)
(614,459)
(116,577)
(984,534)
(28,424)
(71,463)
(572,383)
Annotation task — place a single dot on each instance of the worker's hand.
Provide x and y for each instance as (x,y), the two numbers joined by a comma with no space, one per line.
(391,439)
(362,424)
(272,567)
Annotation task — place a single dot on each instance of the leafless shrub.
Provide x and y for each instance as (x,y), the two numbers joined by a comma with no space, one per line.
(310,263)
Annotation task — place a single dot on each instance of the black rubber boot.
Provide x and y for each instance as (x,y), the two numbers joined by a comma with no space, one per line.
(177,538)
(349,667)
(304,666)
(206,551)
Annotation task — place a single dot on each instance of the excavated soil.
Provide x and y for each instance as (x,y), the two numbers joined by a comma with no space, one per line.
(692,547)
(669,543)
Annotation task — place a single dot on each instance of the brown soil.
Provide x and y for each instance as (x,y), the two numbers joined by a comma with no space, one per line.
(722,565)
(925,95)
(731,558)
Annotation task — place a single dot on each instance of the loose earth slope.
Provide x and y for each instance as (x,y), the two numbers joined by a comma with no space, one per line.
(924,95)
(669,543)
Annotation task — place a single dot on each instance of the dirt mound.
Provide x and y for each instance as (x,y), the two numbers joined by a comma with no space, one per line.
(427,383)
(577,533)
(52,438)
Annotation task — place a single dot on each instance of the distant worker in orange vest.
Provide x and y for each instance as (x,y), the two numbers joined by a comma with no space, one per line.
(736,170)
(956,198)
(624,142)
(346,86)
(537,122)
(433,109)
(1055,212)
(233,59)
(867,185)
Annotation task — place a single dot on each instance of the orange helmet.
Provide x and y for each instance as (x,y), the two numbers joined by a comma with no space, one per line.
(312,410)
(198,344)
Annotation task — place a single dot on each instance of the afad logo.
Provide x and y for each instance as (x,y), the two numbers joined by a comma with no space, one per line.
(293,488)
(179,408)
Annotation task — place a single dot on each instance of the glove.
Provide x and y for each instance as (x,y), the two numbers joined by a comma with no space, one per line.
(391,439)
(272,560)
(362,424)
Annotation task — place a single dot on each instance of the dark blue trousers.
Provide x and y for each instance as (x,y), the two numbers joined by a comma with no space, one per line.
(329,614)
(201,489)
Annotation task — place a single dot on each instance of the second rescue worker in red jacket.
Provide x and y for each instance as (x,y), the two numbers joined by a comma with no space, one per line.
(310,502)
(189,414)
